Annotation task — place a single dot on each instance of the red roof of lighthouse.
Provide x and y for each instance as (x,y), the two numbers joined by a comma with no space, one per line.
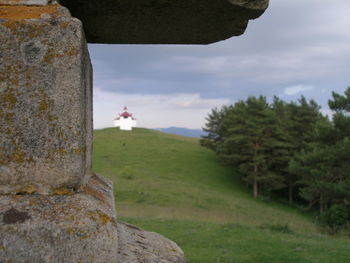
(125,114)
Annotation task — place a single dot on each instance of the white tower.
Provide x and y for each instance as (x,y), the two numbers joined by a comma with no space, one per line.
(125,121)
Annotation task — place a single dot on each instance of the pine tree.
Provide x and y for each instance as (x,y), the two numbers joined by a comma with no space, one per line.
(341,118)
(284,117)
(297,121)
(324,166)
(325,174)
(252,143)
(214,129)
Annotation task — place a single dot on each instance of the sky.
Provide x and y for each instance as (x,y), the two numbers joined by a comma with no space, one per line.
(297,47)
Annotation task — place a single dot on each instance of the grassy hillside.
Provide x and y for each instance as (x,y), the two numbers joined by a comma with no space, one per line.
(171,185)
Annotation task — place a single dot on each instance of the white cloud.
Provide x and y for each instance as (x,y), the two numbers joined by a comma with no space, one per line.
(327,112)
(154,111)
(297,89)
(276,52)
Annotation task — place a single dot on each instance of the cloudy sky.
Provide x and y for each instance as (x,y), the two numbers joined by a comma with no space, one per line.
(296,47)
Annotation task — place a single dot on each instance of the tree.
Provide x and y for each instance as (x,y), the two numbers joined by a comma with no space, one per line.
(325,174)
(252,143)
(214,129)
(341,117)
(340,103)
(289,145)
(298,122)
(324,165)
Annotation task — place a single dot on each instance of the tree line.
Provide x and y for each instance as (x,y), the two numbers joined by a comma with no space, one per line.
(290,148)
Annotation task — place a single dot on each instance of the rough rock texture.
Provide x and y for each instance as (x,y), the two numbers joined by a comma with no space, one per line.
(45,101)
(164,21)
(70,228)
(25,2)
(138,246)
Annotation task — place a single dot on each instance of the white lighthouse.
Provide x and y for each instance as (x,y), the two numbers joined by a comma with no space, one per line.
(125,121)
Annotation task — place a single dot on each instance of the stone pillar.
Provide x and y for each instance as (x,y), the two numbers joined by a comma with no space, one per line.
(45,100)
(51,208)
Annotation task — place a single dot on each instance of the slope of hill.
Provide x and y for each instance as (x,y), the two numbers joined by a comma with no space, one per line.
(169,184)
(195,133)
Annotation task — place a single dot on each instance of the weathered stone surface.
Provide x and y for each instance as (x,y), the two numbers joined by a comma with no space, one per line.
(70,228)
(164,21)
(45,101)
(25,2)
(139,246)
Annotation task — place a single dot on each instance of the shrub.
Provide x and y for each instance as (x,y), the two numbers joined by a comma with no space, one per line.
(277,228)
(335,218)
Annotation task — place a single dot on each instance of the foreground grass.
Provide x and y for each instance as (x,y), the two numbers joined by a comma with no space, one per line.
(231,243)
(171,185)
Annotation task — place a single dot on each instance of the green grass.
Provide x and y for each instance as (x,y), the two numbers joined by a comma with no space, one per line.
(171,185)
(231,243)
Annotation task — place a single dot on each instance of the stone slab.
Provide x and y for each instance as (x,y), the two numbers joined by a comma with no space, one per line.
(139,246)
(64,228)
(25,2)
(45,101)
(164,21)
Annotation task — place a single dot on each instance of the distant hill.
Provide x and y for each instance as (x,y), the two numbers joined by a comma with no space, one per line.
(171,185)
(195,133)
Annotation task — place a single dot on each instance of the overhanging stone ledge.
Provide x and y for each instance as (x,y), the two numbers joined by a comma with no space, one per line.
(26,2)
(164,21)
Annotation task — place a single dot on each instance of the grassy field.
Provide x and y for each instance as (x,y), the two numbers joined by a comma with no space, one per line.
(171,185)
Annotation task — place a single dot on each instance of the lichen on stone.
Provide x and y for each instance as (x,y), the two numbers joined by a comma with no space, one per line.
(27,12)
(30,189)
(62,191)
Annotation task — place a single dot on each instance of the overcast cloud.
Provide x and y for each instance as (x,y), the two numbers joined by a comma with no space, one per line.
(297,47)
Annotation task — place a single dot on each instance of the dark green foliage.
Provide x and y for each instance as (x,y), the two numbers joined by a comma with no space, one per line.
(298,123)
(339,102)
(324,174)
(289,146)
(251,138)
(341,117)
(325,167)
(260,139)
(214,128)
(335,218)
